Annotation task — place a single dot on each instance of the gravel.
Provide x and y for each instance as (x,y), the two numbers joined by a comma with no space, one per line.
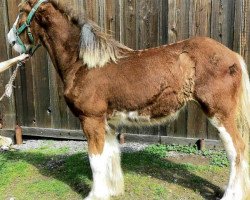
(72,146)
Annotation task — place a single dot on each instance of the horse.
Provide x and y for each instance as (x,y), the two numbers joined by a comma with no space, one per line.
(107,83)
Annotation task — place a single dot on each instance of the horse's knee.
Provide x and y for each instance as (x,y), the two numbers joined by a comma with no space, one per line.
(94,130)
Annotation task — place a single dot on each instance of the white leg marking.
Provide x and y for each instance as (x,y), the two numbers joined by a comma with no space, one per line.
(115,175)
(106,169)
(99,189)
(238,173)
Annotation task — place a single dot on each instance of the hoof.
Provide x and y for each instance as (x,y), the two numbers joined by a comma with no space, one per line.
(93,196)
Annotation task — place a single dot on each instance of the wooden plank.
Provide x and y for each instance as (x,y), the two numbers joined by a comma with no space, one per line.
(178,20)
(53,133)
(119,30)
(209,144)
(110,16)
(222,19)
(199,18)
(150,139)
(178,25)
(147,23)
(164,23)
(54,108)
(129,23)
(7,106)
(238,25)
(24,88)
(199,25)
(12,13)
(41,88)
(72,121)
(90,9)
(148,130)
(101,20)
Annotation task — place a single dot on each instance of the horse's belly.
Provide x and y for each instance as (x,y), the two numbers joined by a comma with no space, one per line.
(134,118)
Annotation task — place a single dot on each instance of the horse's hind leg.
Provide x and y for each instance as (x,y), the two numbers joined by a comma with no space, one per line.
(104,157)
(238,185)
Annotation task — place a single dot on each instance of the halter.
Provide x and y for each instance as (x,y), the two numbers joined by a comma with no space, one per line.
(26,25)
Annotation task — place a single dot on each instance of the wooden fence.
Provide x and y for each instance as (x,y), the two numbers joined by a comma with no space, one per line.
(38,102)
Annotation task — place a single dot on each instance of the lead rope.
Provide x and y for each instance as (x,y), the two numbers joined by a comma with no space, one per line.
(9,87)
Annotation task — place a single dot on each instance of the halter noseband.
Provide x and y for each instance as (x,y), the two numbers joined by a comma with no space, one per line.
(25,25)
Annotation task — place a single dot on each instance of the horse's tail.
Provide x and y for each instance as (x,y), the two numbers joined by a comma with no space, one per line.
(244,106)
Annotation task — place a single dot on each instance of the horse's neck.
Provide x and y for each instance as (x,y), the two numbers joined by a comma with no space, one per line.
(61,39)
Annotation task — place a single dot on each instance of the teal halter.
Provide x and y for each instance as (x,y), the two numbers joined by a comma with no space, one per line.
(26,25)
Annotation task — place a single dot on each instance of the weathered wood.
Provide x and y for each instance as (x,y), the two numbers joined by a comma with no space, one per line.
(139,24)
(178,20)
(7,106)
(41,88)
(178,25)
(190,141)
(53,133)
(129,25)
(54,108)
(199,25)
(222,17)
(147,23)
(110,17)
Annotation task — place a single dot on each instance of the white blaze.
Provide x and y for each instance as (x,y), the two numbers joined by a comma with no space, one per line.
(13,40)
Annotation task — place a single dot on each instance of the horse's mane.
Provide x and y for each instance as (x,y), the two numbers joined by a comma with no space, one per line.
(96,47)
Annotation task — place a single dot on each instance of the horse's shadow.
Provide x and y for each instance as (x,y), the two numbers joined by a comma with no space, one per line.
(74,170)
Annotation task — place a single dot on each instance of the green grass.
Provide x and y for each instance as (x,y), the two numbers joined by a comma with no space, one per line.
(217,157)
(49,173)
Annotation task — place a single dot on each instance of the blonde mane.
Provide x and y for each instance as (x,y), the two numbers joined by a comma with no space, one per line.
(96,48)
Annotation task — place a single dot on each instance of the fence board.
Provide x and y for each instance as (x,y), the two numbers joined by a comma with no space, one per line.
(148,12)
(7,107)
(129,16)
(54,97)
(199,25)
(41,88)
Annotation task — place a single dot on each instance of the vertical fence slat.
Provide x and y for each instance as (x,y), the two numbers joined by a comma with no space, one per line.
(199,25)
(41,88)
(178,25)
(7,106)
(54,96)
(110,17)
(129,16)
(147,23)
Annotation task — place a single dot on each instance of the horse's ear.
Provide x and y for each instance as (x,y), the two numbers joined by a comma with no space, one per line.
(32,2)
(25,7)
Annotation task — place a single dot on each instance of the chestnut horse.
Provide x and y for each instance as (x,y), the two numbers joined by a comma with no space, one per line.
(105,80)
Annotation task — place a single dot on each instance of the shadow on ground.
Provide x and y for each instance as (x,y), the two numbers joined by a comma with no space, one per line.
(74,170)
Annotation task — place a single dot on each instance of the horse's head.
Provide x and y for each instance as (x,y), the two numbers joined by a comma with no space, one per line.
(22,36)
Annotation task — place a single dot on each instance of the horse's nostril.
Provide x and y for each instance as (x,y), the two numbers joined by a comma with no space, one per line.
(13,43)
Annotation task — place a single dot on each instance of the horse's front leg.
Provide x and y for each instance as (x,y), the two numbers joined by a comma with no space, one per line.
(104,157)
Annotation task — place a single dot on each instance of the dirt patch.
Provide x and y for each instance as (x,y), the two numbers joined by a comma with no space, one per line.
(181,158)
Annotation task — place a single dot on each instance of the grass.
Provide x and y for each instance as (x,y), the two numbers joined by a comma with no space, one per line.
(49,173)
